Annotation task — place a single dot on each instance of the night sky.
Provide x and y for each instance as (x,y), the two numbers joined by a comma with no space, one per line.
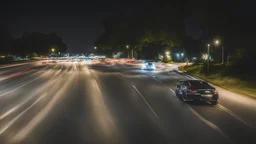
(79,24)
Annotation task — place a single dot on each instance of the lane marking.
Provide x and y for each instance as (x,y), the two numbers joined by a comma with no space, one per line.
(2,130)
(3,94)
(41,115)
(158,81)
(25,83)
(22,72)
(234,115)
(164,85)
(145,101)
(8,112)
(16,107)
(22,85)
(210,124)
(172,90)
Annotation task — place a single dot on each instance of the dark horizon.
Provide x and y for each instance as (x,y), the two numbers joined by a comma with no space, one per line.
(78,24)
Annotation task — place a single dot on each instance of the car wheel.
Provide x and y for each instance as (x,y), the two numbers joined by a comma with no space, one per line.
(176,92)
(214,102)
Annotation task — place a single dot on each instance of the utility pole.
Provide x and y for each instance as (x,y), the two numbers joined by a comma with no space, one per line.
(128,50)
(208,58)
(223,55)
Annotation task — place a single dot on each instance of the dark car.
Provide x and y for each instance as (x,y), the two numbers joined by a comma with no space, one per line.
(192,90)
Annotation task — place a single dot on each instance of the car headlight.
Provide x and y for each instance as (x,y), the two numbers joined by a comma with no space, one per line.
(215,92)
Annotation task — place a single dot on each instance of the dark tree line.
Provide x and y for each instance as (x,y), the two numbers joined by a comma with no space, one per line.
(30,43)
(162,25)
(155,24)
(232,22)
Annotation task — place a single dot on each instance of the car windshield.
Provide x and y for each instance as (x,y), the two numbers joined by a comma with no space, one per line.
(150,64)
(199,84)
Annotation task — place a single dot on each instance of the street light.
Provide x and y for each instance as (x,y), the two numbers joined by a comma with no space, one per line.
(217,42)
(178,56)
(53,50)
(95,48)
(208,55)
(128,51)
(167,53)
(182,54)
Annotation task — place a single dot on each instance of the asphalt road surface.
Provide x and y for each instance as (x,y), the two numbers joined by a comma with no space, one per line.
(66,102)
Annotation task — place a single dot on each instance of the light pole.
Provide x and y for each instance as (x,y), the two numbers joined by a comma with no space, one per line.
(178,56)
(182,54)
(222,55)
(208,57)
(128,50)
(217,42)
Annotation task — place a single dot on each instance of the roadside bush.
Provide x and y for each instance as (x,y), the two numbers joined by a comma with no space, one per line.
(6,60)
(242,64)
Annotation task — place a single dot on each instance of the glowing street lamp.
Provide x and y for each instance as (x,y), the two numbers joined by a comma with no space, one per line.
(128,51)
(53,50)
(167,53)
(217,42)
(182,54)
(95,48)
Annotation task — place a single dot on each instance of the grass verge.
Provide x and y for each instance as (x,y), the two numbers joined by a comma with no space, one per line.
(235,84)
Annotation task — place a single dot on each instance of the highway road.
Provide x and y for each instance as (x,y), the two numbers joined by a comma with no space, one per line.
(63,102)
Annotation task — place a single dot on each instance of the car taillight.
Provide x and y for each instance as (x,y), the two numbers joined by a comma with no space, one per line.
(193,91)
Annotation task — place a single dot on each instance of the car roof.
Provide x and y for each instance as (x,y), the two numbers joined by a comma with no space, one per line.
(198,83)
(192,81)
(195,81)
